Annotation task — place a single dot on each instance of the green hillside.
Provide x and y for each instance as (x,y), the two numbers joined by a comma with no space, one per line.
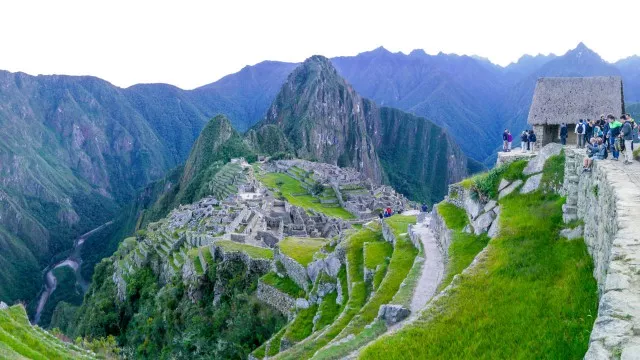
(20,340)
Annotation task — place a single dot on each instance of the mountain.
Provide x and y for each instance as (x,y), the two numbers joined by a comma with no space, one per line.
(75,151)
(458,93)
(323,118)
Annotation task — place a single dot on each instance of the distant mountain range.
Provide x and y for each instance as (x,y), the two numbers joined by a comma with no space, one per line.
(76,150)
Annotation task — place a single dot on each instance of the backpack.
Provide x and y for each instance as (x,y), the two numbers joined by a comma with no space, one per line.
(532,137)
(581,128)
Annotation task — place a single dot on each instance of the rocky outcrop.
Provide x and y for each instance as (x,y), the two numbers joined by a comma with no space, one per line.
(532,184)
(606,199)
(509,189)
(393,314)
(3,305)
(536,164)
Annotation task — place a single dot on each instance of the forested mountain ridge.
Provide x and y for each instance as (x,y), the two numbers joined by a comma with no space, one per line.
(324,119)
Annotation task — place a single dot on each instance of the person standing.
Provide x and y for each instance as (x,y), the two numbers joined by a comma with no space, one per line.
(505,140)
(614,136)
(588,132)
(563,133)
(627,137)
(509,140)
(579,130)
(532,141)
(524,141)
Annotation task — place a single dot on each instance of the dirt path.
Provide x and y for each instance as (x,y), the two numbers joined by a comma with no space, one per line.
(432,268)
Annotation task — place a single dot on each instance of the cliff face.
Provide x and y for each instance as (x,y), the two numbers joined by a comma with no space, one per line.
(324,119)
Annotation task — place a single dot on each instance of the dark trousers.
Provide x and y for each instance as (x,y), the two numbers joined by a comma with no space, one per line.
(563,140)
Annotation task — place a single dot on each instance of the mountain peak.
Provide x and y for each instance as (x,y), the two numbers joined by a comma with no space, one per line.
(582,50)
(418,52)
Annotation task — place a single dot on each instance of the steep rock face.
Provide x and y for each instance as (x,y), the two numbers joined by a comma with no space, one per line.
(324,119)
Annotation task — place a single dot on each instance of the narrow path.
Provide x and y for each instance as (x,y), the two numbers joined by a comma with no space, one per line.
(73,261)
(432,268)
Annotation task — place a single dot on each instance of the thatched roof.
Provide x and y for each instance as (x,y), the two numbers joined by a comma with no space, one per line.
(567,100)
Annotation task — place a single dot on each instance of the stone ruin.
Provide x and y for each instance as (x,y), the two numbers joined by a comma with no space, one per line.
(569,99)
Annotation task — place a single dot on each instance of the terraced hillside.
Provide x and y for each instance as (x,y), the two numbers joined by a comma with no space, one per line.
(244,268)
(20,340)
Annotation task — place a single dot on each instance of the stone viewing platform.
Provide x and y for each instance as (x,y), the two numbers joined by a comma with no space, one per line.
(606,199)
(513,155)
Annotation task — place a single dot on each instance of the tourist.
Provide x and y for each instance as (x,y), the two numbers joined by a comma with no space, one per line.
(505,140)
(627,137)
(597,131)
(509,140)
(580,130)
(532,141)
(614,138)
(595,151)
(563,133)
(381,215)
(588,131)
(524,140)
(425,208)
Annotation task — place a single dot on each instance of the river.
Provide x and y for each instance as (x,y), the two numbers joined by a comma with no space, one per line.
(74,261)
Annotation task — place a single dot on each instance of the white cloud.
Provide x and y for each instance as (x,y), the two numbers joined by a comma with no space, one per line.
(191,43)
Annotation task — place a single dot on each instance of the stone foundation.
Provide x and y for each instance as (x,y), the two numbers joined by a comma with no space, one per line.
(607,200)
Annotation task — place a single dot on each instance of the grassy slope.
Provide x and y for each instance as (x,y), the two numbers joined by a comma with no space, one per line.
(464,247)
(18,339)
(357,298)
(533,297)
(301,249)
(253,251)
(284,284)
(290,188)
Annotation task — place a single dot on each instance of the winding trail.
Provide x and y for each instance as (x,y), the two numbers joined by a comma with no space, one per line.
(74,261)
(432,268)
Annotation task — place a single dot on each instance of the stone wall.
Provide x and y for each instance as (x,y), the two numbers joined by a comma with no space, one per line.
(295,270)
(276,298)
(441,232)
(607,200)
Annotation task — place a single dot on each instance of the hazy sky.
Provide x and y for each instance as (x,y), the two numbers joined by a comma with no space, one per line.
(192,43)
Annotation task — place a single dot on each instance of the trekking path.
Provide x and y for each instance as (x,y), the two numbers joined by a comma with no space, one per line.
(432,268)
(431,275)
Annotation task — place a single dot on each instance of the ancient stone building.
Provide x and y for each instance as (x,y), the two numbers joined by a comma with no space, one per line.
(569,99)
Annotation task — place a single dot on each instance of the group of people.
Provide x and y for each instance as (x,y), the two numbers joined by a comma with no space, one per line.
(527,139)
(604,136)
(386,213)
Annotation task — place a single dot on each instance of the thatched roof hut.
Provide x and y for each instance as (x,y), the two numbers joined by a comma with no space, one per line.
(567,100)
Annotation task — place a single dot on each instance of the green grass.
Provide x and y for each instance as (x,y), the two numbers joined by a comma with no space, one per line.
(329,309)
(379,275)
(454,217)
(301,249)
(485,186)
(533,296)
(357,298)
(340,351)
(404,253)
(253,251)
(289,186)
(206,254)
(274,346)
(284,284)
(464,247)
(553,173)
(18,339)
(302,325)
(375,253)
